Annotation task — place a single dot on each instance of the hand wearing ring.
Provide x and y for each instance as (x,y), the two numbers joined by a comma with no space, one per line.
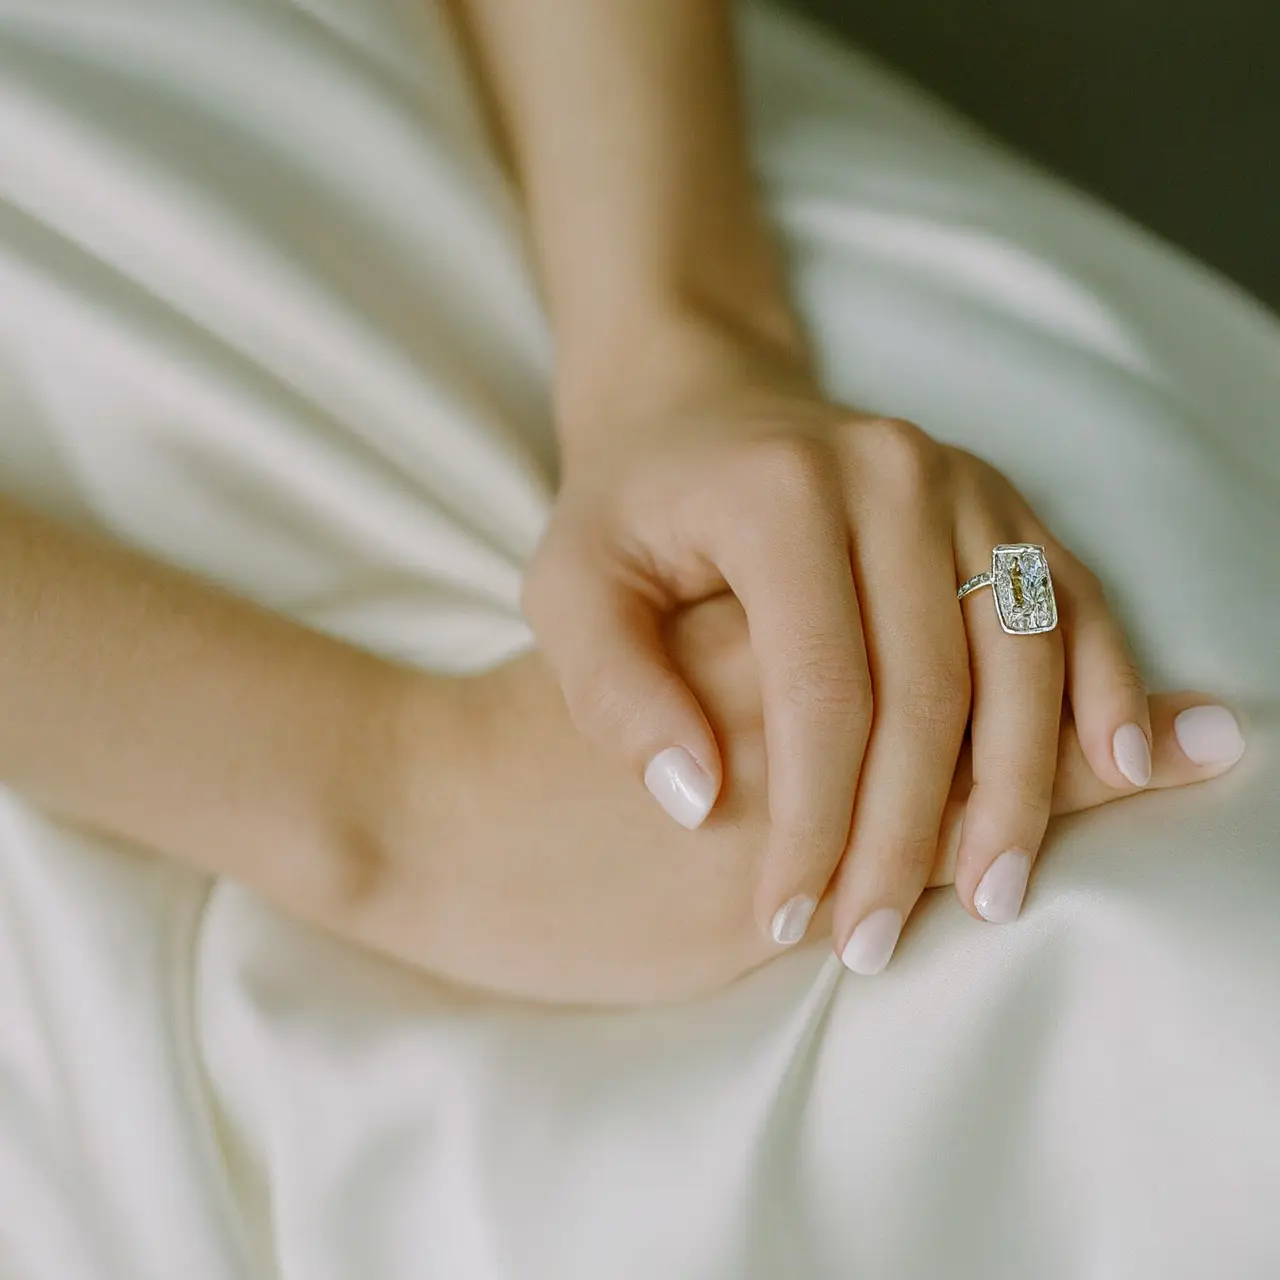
(1044,631)
(843,536)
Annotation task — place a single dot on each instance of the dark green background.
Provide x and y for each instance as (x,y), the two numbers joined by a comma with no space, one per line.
(1169,109)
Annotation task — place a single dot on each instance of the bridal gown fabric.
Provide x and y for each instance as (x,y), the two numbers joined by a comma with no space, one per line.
(266,312)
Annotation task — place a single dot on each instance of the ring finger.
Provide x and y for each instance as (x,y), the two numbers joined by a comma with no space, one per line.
(1017,705)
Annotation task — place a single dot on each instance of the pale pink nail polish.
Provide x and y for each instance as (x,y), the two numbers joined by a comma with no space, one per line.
(870,946)
(1132,754)
(791,920)
(1209,736)
(999,894)
(680,786)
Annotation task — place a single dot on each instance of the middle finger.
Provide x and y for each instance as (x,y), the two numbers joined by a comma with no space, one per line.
(920,673)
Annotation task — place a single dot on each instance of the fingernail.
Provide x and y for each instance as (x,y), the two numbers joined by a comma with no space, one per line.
(871,944)
(791,920)
(680,786)
(1132,754)
(998,897)
(1209,735)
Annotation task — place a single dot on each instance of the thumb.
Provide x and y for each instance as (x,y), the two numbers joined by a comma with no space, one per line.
(604,641)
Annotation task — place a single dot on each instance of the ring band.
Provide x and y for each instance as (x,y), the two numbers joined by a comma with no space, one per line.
(1023,589)
(978,580)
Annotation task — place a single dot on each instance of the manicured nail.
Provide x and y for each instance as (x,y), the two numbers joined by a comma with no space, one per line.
(1132,754)
(998,897)
(871,944)
(1209,735)
(791,920)
(680,786)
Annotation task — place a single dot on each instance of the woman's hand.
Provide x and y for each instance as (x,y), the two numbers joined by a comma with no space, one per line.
(698,455)
(543,872)
(844,536)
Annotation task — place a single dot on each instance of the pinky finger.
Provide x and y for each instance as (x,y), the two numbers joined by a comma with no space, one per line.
(1104,688)
(1194,739)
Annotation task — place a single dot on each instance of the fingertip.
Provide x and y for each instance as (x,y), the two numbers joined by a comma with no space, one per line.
(1108,696)
(872,942)
(790,922)
(1209,736)
(1131,752)
(684,789)
(998,897)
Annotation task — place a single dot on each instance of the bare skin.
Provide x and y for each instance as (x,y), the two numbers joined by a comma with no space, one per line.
(554,879)
(462,826)
(700,454)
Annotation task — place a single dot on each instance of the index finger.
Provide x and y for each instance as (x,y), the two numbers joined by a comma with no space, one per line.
(793,577)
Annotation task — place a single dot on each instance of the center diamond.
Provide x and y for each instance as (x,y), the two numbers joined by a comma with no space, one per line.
(1023,588)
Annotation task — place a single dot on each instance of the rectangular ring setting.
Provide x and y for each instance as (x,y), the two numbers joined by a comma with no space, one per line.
(1023,589)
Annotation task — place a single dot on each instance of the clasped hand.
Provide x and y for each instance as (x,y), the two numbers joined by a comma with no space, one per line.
(843,536)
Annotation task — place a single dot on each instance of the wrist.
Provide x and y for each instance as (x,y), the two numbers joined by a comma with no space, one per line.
(672,353)
(409,739)
(425,759)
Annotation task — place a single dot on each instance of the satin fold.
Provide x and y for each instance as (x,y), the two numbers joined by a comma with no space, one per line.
(265,311)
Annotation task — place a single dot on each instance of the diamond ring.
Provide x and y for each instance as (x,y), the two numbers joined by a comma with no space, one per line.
(1019,578)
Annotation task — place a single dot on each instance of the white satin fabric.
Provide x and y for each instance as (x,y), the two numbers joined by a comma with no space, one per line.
(265,312)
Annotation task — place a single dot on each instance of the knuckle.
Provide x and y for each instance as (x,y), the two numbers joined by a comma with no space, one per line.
(907,461)
(916,857)
(900,433)
(894,868)
(971,485)
(827,680)
(793,466)
(928,693)
(980,485)
(1030,807)
(936,710)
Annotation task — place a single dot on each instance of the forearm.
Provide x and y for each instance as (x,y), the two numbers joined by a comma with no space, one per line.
(625,125)
(145,703)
